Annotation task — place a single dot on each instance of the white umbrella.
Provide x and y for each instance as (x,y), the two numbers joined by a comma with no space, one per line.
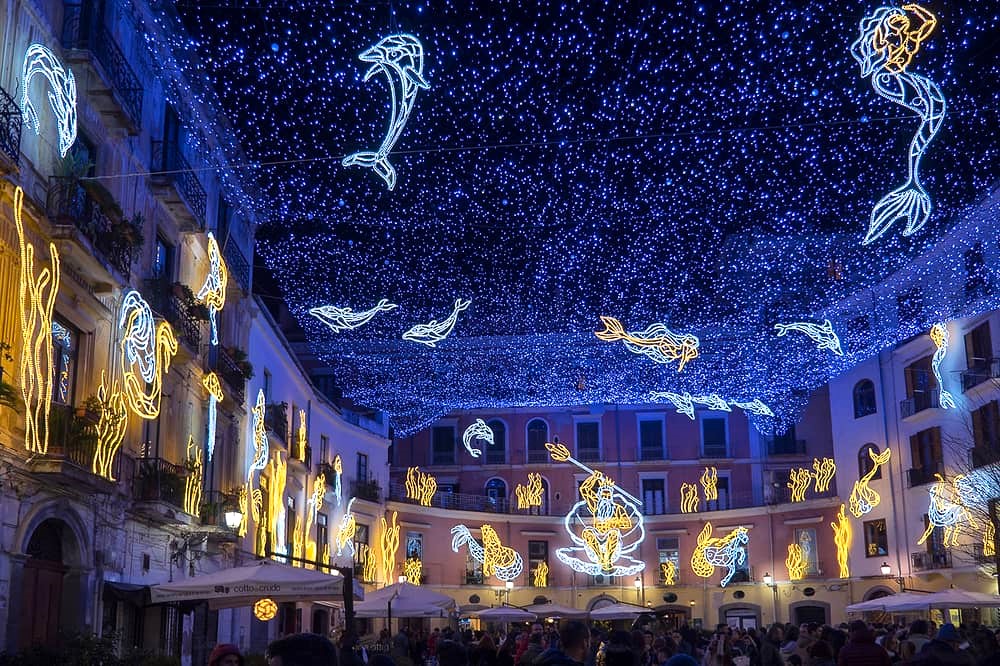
(505,614)
(242,586)
(889,603)
(619,611)
(954,598)
(404,600)
(555,610)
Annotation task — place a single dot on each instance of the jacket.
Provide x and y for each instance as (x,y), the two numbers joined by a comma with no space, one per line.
(555,657)
(861,650)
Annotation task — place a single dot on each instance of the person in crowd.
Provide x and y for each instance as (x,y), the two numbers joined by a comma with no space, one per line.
(790,641)
(943,649)
(508,648)
(225,654)
(301,650)
(890,643)
(808,634)
(347,655)
(919,635)
(861,649)
(821,654)
(452,653)
(534,649)
(571,649)
(719,651)
(486,652)
(770,646)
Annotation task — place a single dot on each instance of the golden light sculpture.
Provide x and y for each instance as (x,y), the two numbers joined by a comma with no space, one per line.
(540,576)
(420,486)
(864,498)
(796,562)
(146,351)
(110,429)
(413,570)
(842,534)
(348,528)
(314,504)
(301,438)
(388,545)
(192,484)
(669,571)
(947,510)
(325,557)
(265,609)
(369,571)
(799,481)
(530,495)
(297,542)
(497,559)
(260,536)
(989,540)
(243,499)
(899,39)
(278,474)
(689,498)
(710,483)
(656,342)
(728,552)
(258,461)
(213,291)
(36,300)
(211,384)
(823,471)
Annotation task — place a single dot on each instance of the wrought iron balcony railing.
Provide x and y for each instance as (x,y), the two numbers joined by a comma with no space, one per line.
(276,420)
(169,166)
(920,476)
(165,300)
(70,204)
(923,560)
(230,372)
(535,457)
(10,128)
(919,402)
(238,265)
(366,490)
(158,480)
(984,370)
(588,455)
(780,446)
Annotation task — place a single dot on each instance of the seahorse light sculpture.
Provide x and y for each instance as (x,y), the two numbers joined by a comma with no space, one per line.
(211,383)
(478,430)
(38,59)
(434,332)
(823,471)
(727,552)
(420,486)
(657,342)
(864,498)
(400,58)
(689,498)
(36,300)
(890,38)
(110,429)
(213,291)
(710,483)
(192,484)
(348,528)
(822,334)
(344,319)
(540,576)
(497,559)
(388,545)
(146,354)
(530,495)
(842,534)
(669,571)
(947,510)
(939,336)
(799,481)
(796,562)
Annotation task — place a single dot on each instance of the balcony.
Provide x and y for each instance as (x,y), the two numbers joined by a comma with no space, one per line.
(923,560)
(458,501)
(114,87)
(70,456)
(589,455)
(10,133)
(780,446)
(921,476)
(231,371)
(919,402)
(239,267)
(176,304)
(648,453)
(714,451)
(276,420)
(158,488)
(983,456)
(538,457)
(984,370)
(97,226)
(179,187)
(366,490)
(495,456)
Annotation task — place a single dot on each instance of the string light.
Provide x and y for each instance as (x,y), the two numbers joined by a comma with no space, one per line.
(884,50)
(946,510)
(213,291)
(540,576)
(389,545)
(530,495)
(338,472)
(38,59)
(796,562)
(728,552)
(432,333)
(821,334)
(497,559)
(478,430)
(36,300)
(657,342)
(420,486)
(842,535)
(278,475)
(344,319)
(348,528)
(413,570)
(710,482)
(823,472)
(864,498)
(192,483)
(110,429)
(669,571)
(265,609)
(401,58)
(799,481)
(939,336)
(689,498)
(211,383)
(146,354)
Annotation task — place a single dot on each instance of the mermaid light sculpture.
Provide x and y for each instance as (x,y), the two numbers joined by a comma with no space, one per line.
(889,39)
(497,559)
(728,552)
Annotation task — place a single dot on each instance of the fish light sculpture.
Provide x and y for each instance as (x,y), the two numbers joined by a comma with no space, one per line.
(728,552)
(822,334)
(38,59)
(345,319)
(478,430)
(434,332)
(657,342)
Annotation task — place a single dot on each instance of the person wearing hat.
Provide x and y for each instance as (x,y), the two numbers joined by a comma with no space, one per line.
(861,649)
(942,650)
(225,654)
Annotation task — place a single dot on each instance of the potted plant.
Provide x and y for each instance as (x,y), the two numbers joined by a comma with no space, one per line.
(8,393)
(242,362)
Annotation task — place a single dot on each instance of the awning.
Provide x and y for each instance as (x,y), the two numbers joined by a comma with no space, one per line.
(137,595)
(404,600)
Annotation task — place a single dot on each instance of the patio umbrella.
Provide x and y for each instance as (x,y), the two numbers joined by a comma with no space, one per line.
(505,614)
(555,610)
(619,611)
(404,600)
(242,586)
(889,603)
(954,598)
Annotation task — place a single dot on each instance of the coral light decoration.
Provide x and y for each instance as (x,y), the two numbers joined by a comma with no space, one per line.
(213,291)
(420,486)
(823,471)
(669,571)
(540,576)
(710,484)
(36,300)
(864,498)
(842,534)
(497,559)
(301,437)
(799,481)
(278,475)
(989,540)
(796,562)
(728,552)
(369,571)
(657,342)
(192,484)
(530,495)
(388,545)
(110,428)
(947,510)
(689,498)
(147,349)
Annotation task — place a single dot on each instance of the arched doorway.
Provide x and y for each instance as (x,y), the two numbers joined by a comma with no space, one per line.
(43,585)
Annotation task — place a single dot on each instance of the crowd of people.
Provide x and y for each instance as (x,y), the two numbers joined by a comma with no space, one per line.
(574,643)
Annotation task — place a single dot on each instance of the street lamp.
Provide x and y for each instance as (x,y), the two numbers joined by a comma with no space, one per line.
(402,579)
(887,572)
(509,585)
(233,519)
(638,590)
(885,569)
(769,581)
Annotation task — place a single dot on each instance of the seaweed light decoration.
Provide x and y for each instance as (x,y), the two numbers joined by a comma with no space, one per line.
(796,562)
(800,479)
(842,535)
(540,576)
(388,545)
(192,483)
(110,429)
(420,486)
(530,495)
(823,472)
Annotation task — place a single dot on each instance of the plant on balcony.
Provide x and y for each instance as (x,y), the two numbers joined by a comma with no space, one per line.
(130,231)
(242,362)
(190,302)
(8,392)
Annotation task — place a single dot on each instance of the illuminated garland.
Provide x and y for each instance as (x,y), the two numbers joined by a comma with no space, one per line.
(278,474)
(530,495)
(146,355)
(842,534)
(823,471)
(478,430)
(389,545)
(498,560)
(213,291)
(313,506)
(433,332)
(710,483)
(821,334)
(989,540)
(401,58)
(110,429)
(215,396)
(939,336)
(345,319)
(420,486)
(301,435)
(369,571)
(947,510)
(348,528)
(864,498)
(192,483)
(799,481)
(689,498)
(297,542)
(884,50)
(669,571)
(657,342)
(796,562)
(38,59)
(727,552)
(540,576)
(36,300)
(413,570)
(338,472)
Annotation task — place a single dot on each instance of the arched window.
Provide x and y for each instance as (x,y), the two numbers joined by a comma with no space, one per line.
(538,434)
(864,398)
(865,462)
(496,491)
(496,454)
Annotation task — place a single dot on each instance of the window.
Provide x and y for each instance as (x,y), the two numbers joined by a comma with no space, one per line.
(473,567)
(290,526)
(714,437)
(324,448)
(722,487)
(921,386)
(414,545)
(322,534)
(986,434)
(163,260)
(538,434)
(806,538)
(925,456)
(267,386)
(668,550)
(651,439)
(362,468)
(865,462)
(588,441)
(785,444)
(443,445)
(935,545)
(864,398)
(497,453)
(978,347)
(538,553)
(496,491)
(653,497)
(360,547)
(876,538)
(64,348)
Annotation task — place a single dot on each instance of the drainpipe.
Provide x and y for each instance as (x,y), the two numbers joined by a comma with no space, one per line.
(886,405)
